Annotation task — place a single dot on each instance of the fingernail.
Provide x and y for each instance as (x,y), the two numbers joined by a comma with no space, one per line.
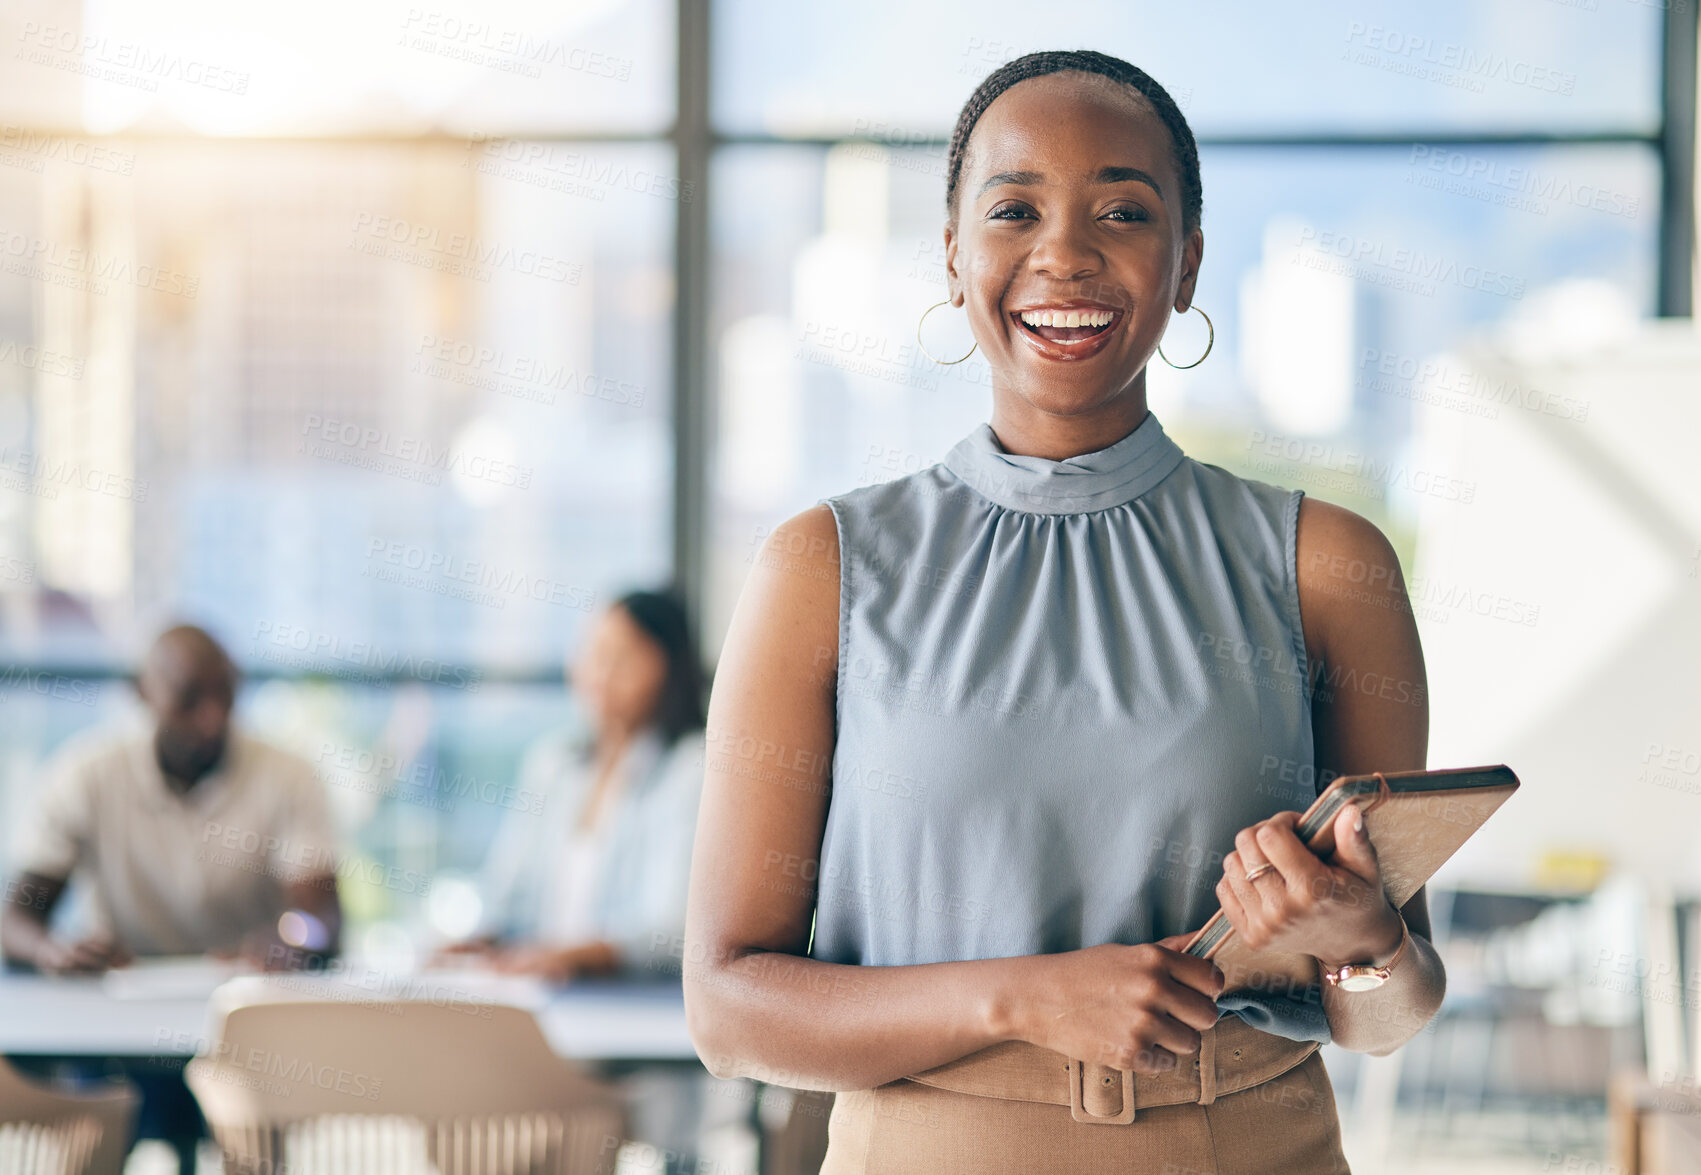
(1358,819)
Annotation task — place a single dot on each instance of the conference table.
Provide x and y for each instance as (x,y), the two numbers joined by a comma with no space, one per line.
(166,1008)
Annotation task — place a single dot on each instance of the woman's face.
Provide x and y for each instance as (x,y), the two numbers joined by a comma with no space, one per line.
(1069,203)
(619,672)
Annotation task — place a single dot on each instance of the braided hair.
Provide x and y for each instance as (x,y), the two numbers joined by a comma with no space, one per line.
(1185,151)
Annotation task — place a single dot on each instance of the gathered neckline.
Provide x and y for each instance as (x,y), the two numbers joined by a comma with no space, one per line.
(1108,477)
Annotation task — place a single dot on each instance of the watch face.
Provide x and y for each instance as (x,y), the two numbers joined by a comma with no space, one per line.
(1362,981)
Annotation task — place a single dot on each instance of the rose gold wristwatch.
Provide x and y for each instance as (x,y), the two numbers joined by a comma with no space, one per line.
(1367,976)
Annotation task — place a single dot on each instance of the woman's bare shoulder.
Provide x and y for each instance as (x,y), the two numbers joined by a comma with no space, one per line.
(1352,593)
(811,535)
(788,613)
(1344,558)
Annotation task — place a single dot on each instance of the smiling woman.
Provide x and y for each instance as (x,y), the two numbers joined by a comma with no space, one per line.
(1082,650)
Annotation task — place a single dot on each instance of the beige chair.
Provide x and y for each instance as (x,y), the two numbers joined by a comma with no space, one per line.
(301,1086)
(46,1131)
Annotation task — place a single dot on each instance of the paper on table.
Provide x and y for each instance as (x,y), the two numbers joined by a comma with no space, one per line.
(358,982)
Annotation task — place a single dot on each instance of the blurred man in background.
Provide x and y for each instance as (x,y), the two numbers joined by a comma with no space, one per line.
(193,836)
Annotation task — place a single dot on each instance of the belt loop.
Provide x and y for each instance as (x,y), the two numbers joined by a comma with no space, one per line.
(1207,1064)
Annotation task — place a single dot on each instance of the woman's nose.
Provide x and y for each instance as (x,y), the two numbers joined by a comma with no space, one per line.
(1063,251)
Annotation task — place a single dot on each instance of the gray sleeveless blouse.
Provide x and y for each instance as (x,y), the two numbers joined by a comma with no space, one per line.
(1063,687)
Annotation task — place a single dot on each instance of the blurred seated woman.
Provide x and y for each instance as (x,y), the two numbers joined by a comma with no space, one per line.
(595,882)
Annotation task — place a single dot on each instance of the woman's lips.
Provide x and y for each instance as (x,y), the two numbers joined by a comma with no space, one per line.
(1067,342)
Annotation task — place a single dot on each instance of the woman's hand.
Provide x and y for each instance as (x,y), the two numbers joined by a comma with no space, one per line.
(554,964)
(1336,911)
(1129,1007)
(86,956)
(557,964)
(465,952)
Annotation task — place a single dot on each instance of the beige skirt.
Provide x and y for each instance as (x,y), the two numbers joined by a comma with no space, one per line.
(1020,1117)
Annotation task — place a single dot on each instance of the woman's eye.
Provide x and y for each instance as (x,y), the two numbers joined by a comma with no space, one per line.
(1018,212)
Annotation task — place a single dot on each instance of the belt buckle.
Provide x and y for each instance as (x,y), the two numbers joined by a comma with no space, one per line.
(1079,1111)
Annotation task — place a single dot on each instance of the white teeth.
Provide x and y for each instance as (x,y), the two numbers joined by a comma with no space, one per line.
(1067,317)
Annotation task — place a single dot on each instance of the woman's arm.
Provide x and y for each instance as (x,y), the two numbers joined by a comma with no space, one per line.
(756,1005)
(1370,712)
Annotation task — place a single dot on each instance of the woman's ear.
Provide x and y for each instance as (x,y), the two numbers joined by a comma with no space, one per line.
(1192,253)
(953,280)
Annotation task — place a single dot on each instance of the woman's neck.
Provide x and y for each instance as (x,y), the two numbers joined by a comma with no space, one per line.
(1027,431)
(611,744)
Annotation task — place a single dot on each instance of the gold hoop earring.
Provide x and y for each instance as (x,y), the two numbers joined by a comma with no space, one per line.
(923,346)
(1209,343)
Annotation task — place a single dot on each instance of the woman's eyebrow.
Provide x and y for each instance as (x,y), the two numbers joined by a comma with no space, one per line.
(1010,177)
(1106,175)
(1118,175)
